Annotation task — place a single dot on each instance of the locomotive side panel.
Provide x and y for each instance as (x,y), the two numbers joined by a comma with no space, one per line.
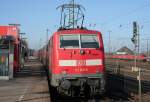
(52,60)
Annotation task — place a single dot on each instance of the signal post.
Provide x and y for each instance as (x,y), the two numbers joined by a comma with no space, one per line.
(136,40)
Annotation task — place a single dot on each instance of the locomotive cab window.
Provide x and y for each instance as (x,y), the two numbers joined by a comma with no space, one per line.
(69,41)
(79,41)
(89,41)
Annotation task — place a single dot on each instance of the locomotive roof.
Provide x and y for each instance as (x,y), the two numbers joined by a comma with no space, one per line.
(76,31)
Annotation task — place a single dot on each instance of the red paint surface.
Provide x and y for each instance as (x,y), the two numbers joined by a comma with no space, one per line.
(10,30)
(55,54)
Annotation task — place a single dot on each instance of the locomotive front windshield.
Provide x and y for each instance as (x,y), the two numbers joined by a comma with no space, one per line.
(79,41)
(69,41)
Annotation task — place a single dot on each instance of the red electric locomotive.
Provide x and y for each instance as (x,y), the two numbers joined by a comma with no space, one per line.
(75,58)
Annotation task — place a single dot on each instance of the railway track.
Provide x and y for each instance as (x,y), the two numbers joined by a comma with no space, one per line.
(144,65)
(99,99)
(127,81)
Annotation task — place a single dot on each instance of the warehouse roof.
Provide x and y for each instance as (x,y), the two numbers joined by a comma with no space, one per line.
(124,50)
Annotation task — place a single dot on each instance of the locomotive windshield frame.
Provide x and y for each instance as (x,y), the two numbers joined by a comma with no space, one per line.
(79,41)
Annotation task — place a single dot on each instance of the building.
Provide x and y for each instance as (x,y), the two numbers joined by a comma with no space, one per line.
(124,51)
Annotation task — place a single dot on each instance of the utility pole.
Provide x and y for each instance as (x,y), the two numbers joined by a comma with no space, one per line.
(40,43)
(147,41)
(139,76)
(148,48)
(136,39)
(109,43)
(47,31)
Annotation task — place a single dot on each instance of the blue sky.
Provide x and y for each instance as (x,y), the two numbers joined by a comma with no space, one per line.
(116,16)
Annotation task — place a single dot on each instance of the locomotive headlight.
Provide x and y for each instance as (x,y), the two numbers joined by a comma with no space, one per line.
(82,52)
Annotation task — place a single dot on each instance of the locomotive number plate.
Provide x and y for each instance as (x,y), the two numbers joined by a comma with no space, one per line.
(81,63)
(81,69)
